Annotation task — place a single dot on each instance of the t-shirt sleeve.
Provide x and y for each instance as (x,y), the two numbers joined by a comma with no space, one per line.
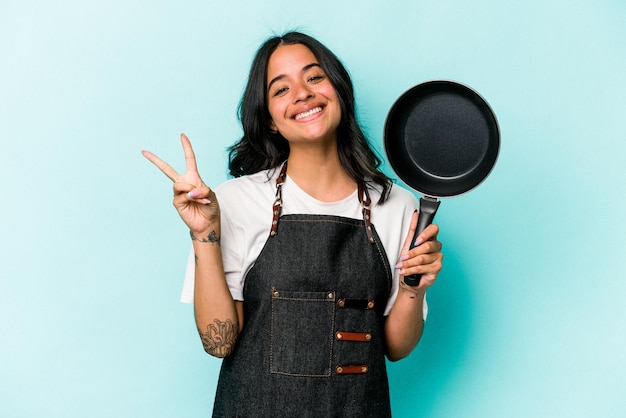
(232,257)
(406,204)
(190,272)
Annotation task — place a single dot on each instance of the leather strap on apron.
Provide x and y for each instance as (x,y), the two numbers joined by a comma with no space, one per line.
(364,199)
(278,201)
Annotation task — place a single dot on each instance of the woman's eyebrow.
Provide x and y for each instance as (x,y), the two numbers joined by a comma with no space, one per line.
(281,76)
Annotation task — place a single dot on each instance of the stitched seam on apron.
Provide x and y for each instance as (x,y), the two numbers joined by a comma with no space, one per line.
(384,259)
(322,220)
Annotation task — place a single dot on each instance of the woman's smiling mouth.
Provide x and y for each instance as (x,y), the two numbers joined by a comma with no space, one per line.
(308,113)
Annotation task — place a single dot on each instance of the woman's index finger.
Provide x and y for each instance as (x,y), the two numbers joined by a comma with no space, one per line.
(161,165)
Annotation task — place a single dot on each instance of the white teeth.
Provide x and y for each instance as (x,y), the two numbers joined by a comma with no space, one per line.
(308,113)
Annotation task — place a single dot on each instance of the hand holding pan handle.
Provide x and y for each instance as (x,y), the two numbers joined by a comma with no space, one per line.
(442,139)
(428,209)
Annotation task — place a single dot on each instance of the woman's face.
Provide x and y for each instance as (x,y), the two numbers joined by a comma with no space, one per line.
(301,100)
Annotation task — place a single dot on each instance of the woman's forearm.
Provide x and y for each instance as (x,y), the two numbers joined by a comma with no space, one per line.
(216,314)
(404,325)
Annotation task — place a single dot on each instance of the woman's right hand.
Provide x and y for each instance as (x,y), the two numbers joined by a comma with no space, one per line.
(195,202)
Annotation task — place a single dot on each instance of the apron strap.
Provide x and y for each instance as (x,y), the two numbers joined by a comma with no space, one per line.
(364,199)
(278,201)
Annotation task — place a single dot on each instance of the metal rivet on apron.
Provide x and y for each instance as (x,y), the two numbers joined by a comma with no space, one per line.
(370,304)
(275,293)
(339,370)
(364,369)
(274,222)
(273,233)
(341,303)
(331,295)
(339,336)
(368,336)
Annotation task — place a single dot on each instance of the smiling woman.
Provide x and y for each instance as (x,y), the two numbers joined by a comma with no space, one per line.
(291,276)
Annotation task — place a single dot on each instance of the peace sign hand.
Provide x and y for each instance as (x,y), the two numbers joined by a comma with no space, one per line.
(195,202)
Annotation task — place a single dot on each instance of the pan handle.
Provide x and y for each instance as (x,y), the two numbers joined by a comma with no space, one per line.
(428,209)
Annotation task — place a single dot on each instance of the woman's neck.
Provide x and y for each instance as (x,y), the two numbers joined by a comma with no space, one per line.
(320,174)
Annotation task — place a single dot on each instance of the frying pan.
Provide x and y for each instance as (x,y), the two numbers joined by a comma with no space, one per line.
(442,139)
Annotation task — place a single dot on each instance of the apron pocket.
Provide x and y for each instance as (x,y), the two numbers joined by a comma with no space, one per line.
(302,333)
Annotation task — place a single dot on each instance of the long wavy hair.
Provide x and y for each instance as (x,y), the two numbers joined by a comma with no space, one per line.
(260,148)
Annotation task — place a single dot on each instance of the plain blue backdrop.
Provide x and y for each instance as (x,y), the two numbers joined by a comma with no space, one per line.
(527,317)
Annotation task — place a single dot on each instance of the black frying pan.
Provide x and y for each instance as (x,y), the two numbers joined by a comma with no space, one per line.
(442,139)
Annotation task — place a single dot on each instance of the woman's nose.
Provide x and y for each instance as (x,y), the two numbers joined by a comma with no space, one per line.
(302,92)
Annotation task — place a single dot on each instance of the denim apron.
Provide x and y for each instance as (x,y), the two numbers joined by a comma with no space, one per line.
(313,342)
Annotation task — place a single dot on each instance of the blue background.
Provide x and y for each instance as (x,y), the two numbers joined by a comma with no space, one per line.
(527,317)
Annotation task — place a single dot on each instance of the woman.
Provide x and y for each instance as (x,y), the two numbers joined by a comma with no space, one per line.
(297,268)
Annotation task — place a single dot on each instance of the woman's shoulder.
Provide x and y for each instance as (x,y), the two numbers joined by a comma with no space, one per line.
(401,193)
(248,196)
(398,197)
(245,184)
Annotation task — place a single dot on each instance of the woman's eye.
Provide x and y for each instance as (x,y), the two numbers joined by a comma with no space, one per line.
(316,78)
(280,91)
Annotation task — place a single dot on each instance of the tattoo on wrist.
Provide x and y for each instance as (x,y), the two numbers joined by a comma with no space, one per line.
(212,238)
(219,338)
(409,289)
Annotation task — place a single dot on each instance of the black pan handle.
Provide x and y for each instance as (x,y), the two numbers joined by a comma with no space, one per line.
(428,209)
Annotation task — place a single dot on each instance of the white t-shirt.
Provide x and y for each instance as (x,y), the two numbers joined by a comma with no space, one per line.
(246,217)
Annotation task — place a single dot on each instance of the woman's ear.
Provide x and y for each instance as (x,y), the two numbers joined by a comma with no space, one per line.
(273,127)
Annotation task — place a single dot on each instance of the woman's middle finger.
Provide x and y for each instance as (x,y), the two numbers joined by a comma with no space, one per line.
(190,156)
(428,247)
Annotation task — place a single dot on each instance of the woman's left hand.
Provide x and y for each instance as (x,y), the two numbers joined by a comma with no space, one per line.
(425,259)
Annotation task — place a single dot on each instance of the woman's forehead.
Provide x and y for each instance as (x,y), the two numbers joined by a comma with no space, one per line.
(289,60)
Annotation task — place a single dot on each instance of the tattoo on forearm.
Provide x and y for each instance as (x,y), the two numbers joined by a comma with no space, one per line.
(219,338)
(212,238)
